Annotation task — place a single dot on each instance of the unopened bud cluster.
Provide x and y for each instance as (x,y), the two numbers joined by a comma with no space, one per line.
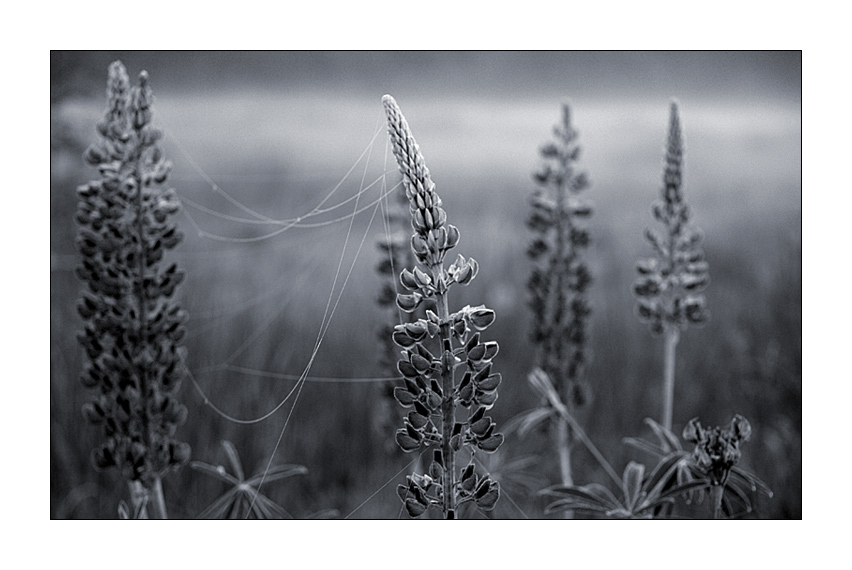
(717,449)
(669,284)
(133,327)
(560,276)
(429,389)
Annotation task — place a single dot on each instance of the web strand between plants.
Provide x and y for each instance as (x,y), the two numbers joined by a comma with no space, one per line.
(326,318)
(324,324)
(265,219)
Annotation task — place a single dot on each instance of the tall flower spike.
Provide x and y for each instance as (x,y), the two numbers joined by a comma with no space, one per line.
(668,289)
(560,277)
(429,389)
(133,327)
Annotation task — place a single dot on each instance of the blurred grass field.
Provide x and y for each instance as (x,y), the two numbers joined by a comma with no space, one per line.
(259,305)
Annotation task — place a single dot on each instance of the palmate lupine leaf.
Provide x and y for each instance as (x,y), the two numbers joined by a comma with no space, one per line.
(643,497)
(243,499)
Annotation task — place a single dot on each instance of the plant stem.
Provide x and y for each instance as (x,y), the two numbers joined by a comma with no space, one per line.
(716,492)
(563,412)
(448,403)
(563,448)
(672,335)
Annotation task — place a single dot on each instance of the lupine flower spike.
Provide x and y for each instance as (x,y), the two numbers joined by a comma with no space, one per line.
(133,327)
(560,277)
(669,285)
(430,390)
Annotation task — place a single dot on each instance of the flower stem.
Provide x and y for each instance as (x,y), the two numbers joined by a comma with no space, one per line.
(670,347)
(716,492)
(448,403)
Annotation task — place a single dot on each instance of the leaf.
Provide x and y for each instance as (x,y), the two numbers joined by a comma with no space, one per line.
(684,488)
(234,458)
(668,440)
(217,472)
(529,420)
(643,445)
(583,496)
(278,472)
(632,483)
(574,504)
(664,472)
(219,508)
(754,483)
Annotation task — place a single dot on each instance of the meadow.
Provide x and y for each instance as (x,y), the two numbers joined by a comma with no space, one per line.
(257,297)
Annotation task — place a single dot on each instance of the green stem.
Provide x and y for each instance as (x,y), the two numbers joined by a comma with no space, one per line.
(563,449)
(716,492)
(672,335)
(562,409)
(448,403)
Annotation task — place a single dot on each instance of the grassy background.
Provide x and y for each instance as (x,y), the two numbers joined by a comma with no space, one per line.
(280,147)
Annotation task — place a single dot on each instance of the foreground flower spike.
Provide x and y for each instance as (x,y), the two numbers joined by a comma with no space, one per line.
(669,284)
(133,327)
(430,390)
(560,277)
(717,451)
